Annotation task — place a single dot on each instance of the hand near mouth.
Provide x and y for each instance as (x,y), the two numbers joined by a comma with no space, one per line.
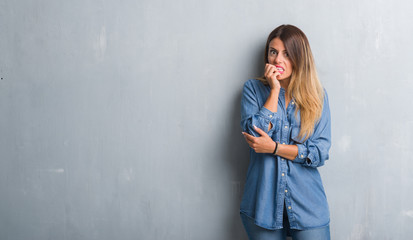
(271,72)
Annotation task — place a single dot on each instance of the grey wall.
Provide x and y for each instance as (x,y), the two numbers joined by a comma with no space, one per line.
(120,119)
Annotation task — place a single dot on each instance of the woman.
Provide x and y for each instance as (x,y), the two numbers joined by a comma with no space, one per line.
(285,118)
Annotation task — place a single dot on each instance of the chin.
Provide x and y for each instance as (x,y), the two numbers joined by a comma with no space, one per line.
(283,78)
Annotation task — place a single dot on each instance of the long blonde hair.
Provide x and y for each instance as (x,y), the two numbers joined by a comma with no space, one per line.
(304,86)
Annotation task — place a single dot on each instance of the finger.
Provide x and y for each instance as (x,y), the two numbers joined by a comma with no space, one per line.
(248,136)
(274,75)
(251,145)
(266,70)
(273,78)
(270,70)
(249,142)
(260,131)
(274,72)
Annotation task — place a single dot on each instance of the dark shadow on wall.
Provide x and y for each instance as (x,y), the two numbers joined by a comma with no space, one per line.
(236,152)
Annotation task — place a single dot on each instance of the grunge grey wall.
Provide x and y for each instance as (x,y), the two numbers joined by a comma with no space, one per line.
(120,119)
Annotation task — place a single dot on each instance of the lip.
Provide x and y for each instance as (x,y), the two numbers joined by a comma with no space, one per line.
(278,66)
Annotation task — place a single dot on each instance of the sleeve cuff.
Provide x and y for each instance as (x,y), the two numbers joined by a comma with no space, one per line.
(312,160)
(305,157)
(302,154)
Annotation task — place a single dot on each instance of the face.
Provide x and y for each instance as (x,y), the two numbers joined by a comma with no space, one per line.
(278,56)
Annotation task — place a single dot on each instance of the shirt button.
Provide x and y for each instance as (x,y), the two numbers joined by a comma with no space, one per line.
(292,103)
(282,174)
(286,190)
(286,127)
(270,115)
(283,143)
(289,207)
(302,155)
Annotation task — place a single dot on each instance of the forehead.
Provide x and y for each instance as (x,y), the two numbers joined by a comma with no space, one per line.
(277,44)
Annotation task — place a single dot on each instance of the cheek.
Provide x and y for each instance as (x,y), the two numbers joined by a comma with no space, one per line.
(290,68)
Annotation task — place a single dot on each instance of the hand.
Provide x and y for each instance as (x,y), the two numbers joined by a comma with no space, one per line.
(271,74)
(263,144)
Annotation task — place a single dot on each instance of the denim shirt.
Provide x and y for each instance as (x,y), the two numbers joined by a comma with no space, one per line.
(272,180)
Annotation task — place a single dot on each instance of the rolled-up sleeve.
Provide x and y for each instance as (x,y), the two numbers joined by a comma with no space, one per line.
(252,114)
(315,150)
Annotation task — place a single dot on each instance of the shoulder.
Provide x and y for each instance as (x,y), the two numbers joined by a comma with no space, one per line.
(253,84)
(326,104)
(325,96)
(325,92)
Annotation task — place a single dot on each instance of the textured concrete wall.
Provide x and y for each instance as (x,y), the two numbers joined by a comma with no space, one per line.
(120,119)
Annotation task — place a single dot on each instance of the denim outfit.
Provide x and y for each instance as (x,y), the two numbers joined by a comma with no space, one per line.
(257,233)
(273,181)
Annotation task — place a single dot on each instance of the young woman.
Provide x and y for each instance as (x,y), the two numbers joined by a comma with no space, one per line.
(285,118)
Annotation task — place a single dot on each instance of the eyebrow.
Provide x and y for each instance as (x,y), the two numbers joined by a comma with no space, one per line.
(271,48)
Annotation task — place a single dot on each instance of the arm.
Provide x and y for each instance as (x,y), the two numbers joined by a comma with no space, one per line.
(311,153)
(252,114)
(265,144)
(289,152)
(272,103)
(315,151)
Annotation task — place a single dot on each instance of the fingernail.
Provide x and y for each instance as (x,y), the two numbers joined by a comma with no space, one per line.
(255,126)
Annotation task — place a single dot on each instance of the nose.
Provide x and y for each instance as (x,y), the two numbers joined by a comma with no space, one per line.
(279,58)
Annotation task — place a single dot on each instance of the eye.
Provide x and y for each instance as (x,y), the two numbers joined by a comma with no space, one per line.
(286,54)
(273,52)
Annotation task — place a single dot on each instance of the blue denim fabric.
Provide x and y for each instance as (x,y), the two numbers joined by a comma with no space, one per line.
(273,180)
(255,232)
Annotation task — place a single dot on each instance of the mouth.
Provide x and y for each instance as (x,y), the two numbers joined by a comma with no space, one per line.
(280,69)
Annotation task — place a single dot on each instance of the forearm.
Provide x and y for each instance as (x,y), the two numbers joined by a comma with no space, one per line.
(272,103)
(272,100)
(287,151)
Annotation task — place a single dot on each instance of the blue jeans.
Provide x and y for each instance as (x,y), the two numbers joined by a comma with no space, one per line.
(258,233)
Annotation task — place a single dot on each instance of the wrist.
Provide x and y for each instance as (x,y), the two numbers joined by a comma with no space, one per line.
(275,148)
(275,90)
